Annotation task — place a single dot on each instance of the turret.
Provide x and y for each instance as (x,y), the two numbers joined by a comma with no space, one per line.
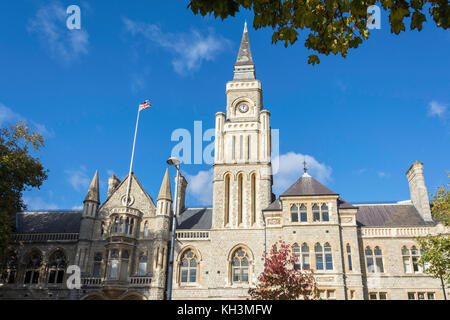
(91,203)
(164,200)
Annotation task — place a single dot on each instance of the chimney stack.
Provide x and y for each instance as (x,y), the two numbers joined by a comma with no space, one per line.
(182,194)
(418,190)
(113,182)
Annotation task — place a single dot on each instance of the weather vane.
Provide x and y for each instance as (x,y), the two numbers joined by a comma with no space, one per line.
(305,169)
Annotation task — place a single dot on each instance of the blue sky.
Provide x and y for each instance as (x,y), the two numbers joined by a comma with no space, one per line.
(360,121)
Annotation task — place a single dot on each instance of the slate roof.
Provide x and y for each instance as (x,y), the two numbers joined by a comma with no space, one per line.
(307,186)
(195,219)
(48,222)
(245,55)
(345,205)
(274,206)
(389,215)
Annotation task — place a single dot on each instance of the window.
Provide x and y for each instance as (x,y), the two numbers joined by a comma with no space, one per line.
(316,213)
(121,225)
(421,295)
(377,295)
(349,257)
(324,210)
(127,225)
(240,266)
(57,266)
(327,294)
(142,269)
(303,213)
(296,254)
(406,259)
(328,257)
(253,179)
(33,266)
(9,270)
(113,264)
(188,268)
(319,256)
(352,295)
(97,272)
(305,257)
(116,225)
(146,229)
(240,197)
(294,213)
(415,257)
(131,226)
(374,260)
(102,231)
(227,199)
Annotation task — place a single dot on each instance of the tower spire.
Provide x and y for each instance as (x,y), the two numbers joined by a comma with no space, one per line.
(93,192)
(165,192)
(244,68)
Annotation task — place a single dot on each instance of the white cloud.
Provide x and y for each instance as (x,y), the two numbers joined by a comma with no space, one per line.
(437,109)
(200,186)
(78,179)
(49,24)
(37,203)
(77,208)
(291,168)
(189,50)
(7,116)
(382,174)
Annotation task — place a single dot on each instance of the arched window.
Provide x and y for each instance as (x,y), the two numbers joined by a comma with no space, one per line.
(374,260)
(240,266)
(121,225)
(349,257)
(97,272)
(131,226)
(296,254)
(116,225)
(319,256)
(253,187)
(324,210)
(188,267)
(146,229)
(113,264)
(316,213)
(303,213)
(9,270)
(227,199)
(102,230)
(294,213)
(328,257)
(127,224)
(411,260)
(33,265)
(306,264)
(142,270)
(240,197)
(57,267)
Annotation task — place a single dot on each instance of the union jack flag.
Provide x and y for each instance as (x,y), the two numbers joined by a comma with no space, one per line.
(144,105)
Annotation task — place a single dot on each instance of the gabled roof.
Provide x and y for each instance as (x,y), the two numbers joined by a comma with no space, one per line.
(308,186)
(389,215)
(345,205)
(48,222)
(195,219)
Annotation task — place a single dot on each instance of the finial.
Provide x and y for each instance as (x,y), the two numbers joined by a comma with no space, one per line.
(305,169)
(245,26)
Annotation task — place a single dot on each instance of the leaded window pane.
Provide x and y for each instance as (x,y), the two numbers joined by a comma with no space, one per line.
(329,261)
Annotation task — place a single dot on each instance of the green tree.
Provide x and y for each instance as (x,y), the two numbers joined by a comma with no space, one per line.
(333,26)
(19,171)
(436,248)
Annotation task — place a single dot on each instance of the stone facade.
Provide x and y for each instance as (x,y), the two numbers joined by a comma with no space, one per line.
(121,245)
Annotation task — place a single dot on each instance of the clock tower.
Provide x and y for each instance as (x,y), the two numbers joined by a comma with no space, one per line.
(242,163)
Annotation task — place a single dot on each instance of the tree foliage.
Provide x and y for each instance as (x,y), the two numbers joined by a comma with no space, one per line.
(19,171)
(436,248)
(333,26)
(280,281)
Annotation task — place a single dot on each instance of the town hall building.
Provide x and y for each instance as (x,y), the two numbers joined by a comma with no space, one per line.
(357,251)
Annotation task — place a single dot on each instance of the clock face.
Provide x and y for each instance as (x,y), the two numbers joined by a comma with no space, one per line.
(243,108)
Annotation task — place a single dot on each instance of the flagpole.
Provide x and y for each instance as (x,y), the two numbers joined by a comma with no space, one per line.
(132,157)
